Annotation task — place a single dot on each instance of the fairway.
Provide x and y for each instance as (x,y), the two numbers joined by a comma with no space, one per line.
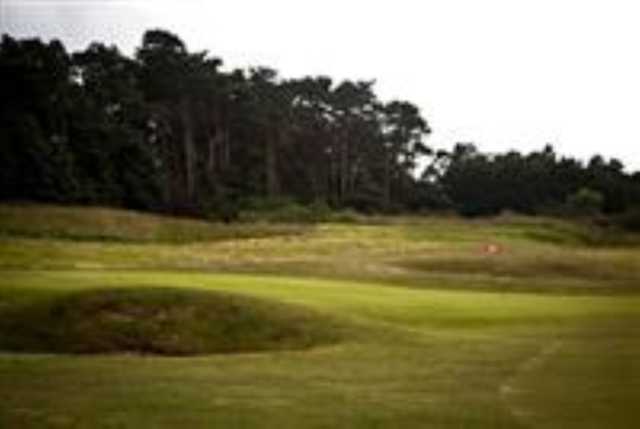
(197,233)
(430,329)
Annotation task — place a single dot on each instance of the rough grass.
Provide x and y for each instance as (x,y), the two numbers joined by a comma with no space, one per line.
(159,321)
(413,252)
(612,267)
(434,331)
(113,225)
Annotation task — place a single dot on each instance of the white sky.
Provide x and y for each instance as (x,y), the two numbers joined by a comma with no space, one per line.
(501,73)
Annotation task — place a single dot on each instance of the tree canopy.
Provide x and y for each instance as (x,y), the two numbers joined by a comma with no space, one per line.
(168,130)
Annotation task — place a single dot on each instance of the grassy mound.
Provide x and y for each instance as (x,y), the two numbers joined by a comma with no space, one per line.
(160,321)
(117,225)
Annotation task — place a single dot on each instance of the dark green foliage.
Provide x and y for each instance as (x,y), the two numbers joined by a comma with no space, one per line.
(585,202)
(35,157)
(287,211)
(169,131)
(72,127)
(629,220)
(539,182)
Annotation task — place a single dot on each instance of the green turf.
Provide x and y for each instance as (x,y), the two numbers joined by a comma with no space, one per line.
(433,331)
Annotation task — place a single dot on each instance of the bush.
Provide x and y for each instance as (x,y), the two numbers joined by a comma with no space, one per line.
(287,211)
(344,216)
(629,221)
(585,202)
(283,210)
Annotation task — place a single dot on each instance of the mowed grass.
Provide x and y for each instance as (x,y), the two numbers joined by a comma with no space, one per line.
(433,330)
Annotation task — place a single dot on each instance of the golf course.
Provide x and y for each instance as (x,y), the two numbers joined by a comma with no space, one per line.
(119,319)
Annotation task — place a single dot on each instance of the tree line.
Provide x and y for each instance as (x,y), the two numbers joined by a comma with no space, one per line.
(169,130)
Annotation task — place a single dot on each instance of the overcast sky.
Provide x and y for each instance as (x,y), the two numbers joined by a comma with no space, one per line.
(501,73)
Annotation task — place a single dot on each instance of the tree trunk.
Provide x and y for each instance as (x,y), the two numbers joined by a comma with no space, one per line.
(225,149)
(189,148)
(213,141)
(344,168)
(387,182)
(273,185)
